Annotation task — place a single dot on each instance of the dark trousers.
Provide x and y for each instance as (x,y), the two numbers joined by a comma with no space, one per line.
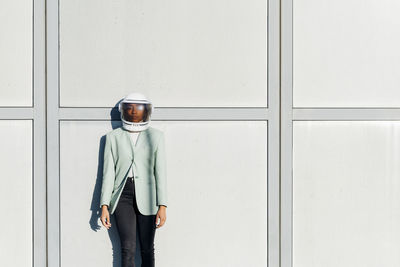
(128,217)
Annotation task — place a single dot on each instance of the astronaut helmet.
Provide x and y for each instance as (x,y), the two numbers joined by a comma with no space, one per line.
(136,111)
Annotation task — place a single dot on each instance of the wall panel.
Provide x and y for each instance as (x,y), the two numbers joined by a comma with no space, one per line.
(217,186)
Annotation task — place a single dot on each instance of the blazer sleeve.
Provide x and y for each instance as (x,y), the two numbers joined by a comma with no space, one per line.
(160,172)
(108,174)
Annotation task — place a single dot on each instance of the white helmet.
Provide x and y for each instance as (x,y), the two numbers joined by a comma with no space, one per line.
(138,118)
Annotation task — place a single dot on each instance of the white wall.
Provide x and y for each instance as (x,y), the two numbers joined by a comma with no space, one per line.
(346,193)
(181,53)
(346,173)
(214,78)
(345,53)
(16,196)
(16,53)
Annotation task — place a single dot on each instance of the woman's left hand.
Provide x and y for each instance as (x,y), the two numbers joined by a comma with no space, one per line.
(161,216)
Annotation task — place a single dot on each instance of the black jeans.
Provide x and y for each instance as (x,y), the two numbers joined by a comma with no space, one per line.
(128,217)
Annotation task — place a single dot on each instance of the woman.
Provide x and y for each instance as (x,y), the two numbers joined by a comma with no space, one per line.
(134,186)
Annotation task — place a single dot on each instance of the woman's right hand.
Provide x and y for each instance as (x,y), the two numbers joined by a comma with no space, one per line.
(105,217)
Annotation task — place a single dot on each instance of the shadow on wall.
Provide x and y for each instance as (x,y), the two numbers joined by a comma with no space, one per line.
(95,222)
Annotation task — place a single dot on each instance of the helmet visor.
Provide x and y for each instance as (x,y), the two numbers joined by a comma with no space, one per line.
(136,112)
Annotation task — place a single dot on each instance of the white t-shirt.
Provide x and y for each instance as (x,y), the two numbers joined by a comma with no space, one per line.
(134,137)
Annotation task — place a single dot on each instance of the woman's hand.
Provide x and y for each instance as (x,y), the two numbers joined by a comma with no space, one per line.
(105,217)
(161,216)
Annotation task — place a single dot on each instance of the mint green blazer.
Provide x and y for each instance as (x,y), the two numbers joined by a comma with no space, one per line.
(148,161)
